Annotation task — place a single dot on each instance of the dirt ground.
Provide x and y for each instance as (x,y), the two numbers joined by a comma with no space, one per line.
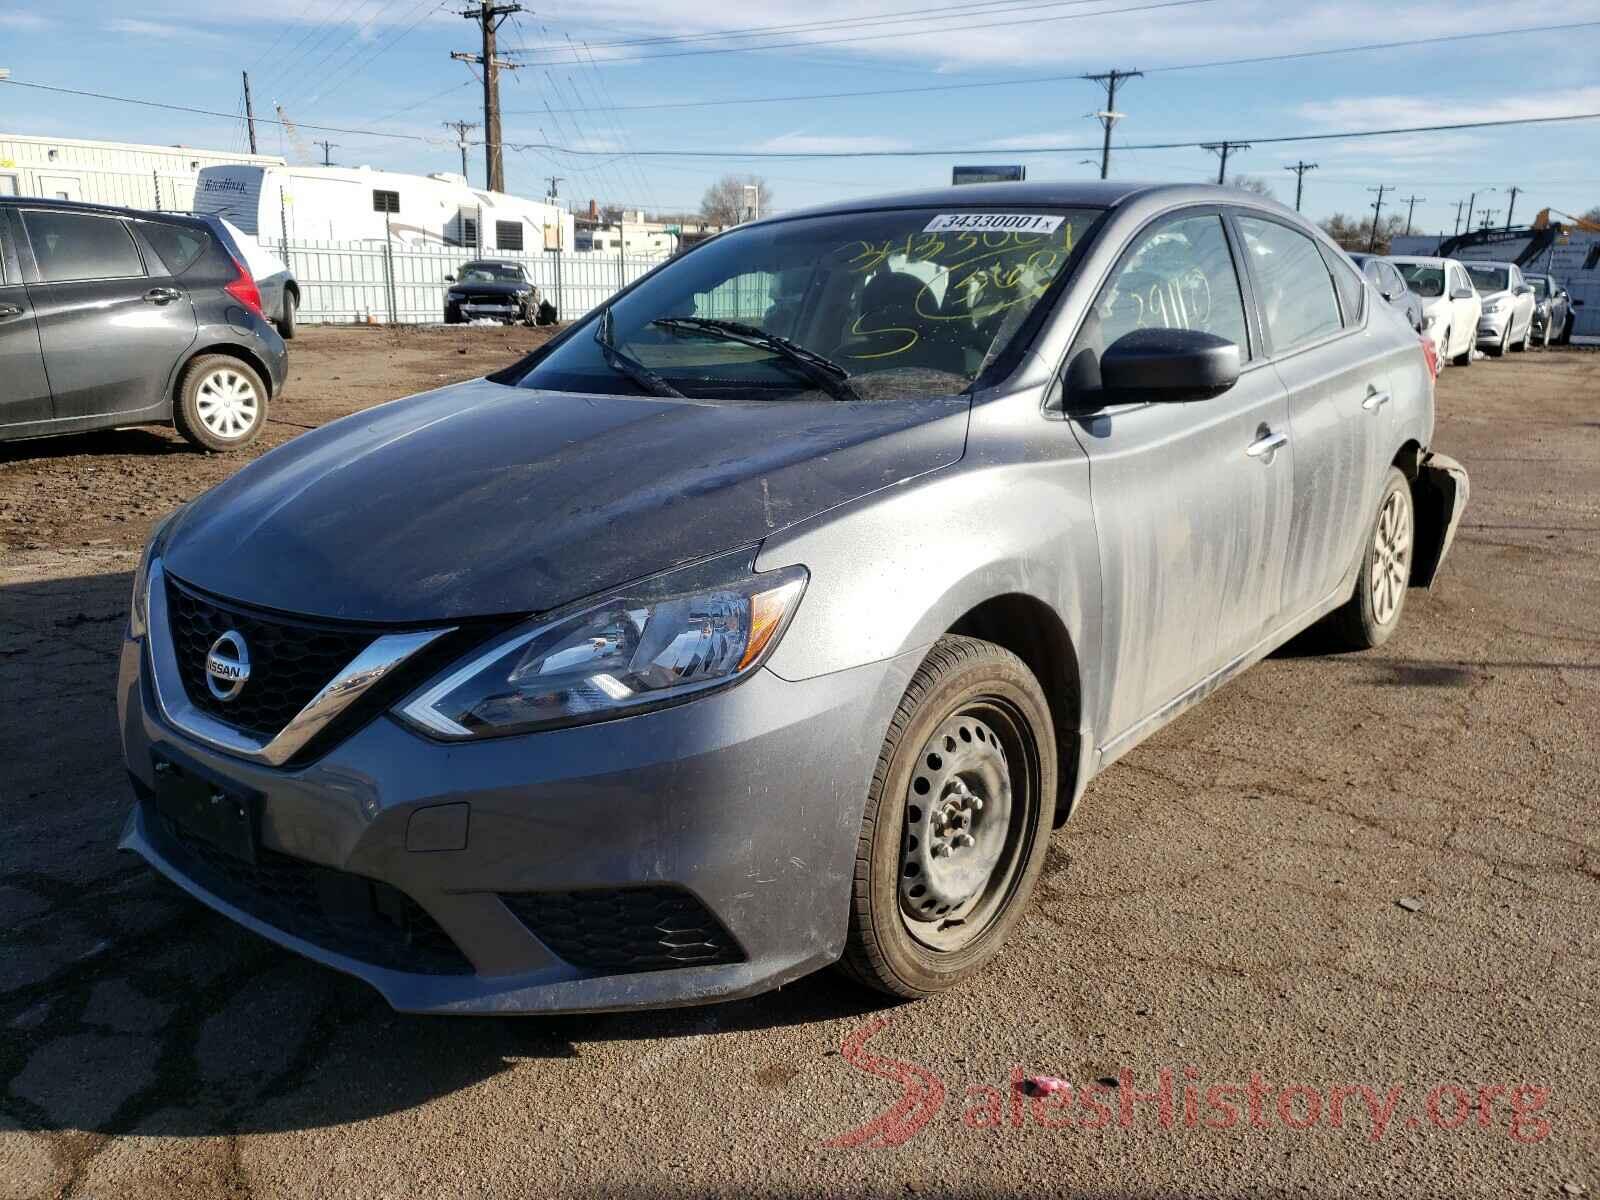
(1375,871)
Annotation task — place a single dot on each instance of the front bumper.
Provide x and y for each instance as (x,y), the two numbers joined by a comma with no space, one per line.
(749,801)
(1492,327)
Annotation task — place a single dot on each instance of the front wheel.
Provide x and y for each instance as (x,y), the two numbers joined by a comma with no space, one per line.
(1464,359)
(286,323)
(1372,614)
(957,821)
(221,403)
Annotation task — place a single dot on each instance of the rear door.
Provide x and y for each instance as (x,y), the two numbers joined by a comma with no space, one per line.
(1191,500)
(24,390)
(1312,306)
(112,329)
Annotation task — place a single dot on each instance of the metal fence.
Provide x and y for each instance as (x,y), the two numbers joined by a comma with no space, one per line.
(343,282)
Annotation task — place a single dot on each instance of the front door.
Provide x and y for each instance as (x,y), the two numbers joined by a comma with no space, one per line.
(1192,500)
(1312,314)
(111,332)
(24,390)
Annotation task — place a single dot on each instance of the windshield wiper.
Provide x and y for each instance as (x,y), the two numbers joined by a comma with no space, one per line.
(824,372)
(626,364)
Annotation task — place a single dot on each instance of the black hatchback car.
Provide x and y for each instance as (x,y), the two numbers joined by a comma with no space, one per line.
(112,317)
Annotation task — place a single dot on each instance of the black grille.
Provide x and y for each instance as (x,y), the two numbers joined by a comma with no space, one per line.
(290,660)
(345,914)
(625,930)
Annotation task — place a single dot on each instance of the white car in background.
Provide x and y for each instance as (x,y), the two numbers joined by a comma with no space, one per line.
(280,290)
(1508,304)
(1451,307)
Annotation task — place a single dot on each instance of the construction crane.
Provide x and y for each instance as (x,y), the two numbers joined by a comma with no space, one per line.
(1541,220)
(301,150)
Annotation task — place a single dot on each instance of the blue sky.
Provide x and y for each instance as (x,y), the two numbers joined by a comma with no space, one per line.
(384,65)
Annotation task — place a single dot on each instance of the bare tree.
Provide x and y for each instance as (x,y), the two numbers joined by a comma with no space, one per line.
(1253,183)
(1357,235)
(725,201)
(1593,215)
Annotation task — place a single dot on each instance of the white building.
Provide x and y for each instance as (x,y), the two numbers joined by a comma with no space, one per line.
(360,204)
(120,173)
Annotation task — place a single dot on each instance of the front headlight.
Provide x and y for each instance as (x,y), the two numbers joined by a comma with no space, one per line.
(661,641)
(138,606)
(1491,308)
(1428,321)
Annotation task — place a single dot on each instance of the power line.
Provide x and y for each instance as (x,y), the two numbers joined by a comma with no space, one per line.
(1222,150)
(1411,209)
(1035,80)
(874,37)
(1377,213)
(1110,116)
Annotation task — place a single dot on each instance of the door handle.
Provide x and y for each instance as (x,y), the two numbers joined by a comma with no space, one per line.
(1265,445)
(1375,401)
(9,310)
(162,295)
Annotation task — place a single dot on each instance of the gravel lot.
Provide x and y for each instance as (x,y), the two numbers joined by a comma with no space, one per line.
(1226,905)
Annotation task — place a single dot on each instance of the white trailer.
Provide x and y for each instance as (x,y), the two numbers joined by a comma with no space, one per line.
(359,204)
(125,174)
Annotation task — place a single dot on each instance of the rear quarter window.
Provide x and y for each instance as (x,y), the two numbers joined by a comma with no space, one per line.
(1347,283)
(178,246)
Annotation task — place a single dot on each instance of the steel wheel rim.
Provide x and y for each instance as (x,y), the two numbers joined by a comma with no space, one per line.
(1391,558)
(227,403)
(975,795)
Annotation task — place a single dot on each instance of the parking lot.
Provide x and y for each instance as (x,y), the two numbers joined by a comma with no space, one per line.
(1350,872)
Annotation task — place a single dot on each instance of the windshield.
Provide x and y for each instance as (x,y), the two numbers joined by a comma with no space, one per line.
(491,272)
(1490,279)
(1425,281)
(1536,282)
(904,303)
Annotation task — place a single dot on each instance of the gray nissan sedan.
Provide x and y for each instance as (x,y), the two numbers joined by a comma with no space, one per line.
(774,614)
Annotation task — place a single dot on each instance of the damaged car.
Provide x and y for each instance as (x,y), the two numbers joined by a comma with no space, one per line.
(775,614)
(495,291)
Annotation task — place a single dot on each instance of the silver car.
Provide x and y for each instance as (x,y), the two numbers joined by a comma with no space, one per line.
(774,614)
(1506,322)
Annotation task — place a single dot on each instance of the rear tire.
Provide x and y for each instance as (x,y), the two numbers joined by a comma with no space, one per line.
(940,881)
(1464,359)
(286,323)
(1372,614)
(221,403)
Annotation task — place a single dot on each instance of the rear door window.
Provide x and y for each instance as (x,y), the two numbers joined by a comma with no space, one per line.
(72,246)
(1295,290)
(178,246)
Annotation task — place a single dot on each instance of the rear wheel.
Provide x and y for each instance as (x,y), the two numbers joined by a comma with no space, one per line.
(1372,614)
(286,325)
(221,403)
(957,821)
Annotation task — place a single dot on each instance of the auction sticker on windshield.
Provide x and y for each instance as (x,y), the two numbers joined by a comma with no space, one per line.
(994,223)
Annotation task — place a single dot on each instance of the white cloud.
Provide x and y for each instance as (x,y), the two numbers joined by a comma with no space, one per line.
(804,143)
(1390,112)
(157,29)
(24,22)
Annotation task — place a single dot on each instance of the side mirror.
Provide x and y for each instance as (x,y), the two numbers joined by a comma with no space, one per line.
(1463,294)
(1389,296)
(1524,290)
(1169,365)
(449,278)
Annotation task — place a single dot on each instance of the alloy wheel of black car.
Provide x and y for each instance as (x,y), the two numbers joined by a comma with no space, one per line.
(221,403)
(957,821)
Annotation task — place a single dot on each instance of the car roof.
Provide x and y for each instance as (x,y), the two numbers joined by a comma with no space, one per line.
(109,210)
(1062,193)
(1486,262)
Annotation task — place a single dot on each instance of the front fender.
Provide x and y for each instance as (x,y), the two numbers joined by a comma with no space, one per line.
(1439,495)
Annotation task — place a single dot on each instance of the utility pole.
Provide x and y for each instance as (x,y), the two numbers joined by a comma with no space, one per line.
(1110,116)
(327,152)
(1377,211)
(1460,204)
(490,16)
(1472,203)
(249,112)
(1222,150)
(1411,207)
(1300,169)
(1489,214)
(1511,206)
(555,185)
(461,128)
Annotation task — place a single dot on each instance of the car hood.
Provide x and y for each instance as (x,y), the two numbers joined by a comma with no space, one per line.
(489,289)
(483,499)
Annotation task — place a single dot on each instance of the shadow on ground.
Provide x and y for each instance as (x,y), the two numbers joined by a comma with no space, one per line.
(125,1005)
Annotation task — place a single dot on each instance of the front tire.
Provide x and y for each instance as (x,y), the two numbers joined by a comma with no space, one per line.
(957,821)
(221,403)
(286,323)
(1372,614)
(1464,359)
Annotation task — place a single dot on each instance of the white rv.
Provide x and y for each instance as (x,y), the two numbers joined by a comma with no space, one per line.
(359,204)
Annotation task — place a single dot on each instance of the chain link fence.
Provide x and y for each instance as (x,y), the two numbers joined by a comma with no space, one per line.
(361,282)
